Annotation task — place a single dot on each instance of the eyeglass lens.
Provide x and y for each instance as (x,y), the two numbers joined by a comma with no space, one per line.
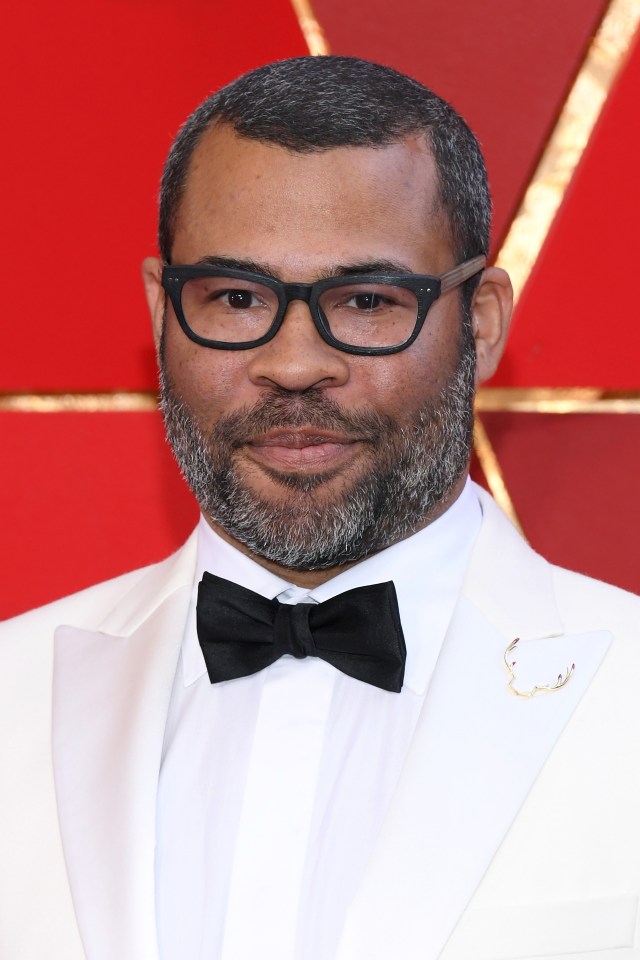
(358,314)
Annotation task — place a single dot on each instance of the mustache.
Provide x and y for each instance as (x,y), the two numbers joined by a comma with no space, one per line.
(281,410)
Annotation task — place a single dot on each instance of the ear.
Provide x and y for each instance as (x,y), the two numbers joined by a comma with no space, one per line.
(491,315)
(151,277)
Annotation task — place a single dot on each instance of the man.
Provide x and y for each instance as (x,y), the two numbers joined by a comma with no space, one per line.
(244,762)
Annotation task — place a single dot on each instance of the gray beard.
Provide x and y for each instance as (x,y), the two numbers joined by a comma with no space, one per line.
(413,470)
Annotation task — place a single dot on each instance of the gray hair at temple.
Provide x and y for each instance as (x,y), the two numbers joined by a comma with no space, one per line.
(310,104)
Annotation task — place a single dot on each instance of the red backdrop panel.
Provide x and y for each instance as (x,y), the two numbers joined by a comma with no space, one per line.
(573,479)
(85,497)
(94,93)
(577,320)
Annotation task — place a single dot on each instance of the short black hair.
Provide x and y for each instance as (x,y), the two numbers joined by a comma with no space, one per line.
(310,104)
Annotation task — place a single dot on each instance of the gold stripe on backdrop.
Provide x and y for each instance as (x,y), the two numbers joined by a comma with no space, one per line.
(568,140)
(311,29)
(493,473)
(490,399)
(556,400)
(120,402)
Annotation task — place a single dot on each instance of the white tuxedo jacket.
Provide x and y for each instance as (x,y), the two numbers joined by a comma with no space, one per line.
(545,792)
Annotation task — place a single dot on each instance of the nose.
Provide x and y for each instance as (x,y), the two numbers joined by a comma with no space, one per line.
(298,358)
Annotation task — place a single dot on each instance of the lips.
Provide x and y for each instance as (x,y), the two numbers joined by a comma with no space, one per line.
(304,450)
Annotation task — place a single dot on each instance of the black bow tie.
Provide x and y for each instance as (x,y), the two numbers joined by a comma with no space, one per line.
(358,632)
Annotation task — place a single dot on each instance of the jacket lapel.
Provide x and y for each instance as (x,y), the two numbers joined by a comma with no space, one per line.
(476,753)
(110,699)
(474,738)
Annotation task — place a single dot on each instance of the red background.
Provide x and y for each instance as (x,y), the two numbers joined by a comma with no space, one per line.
(93,95)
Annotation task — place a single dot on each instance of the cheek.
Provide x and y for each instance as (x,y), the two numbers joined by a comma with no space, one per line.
(410,380)
(210,382)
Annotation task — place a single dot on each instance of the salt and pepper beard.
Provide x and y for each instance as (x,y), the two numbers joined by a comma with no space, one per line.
(413,469)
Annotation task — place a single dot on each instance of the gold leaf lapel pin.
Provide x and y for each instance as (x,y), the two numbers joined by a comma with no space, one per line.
(537,688)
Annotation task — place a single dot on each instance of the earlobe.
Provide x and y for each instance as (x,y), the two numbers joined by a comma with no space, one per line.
(151,277)
(491,316)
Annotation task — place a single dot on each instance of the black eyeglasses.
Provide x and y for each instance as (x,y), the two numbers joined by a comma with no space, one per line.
(367,314)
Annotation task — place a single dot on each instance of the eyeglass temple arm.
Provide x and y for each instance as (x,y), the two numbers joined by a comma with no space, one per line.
(453,278)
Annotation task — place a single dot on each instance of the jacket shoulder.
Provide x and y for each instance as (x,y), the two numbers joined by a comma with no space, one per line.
(86,608)
(587,604)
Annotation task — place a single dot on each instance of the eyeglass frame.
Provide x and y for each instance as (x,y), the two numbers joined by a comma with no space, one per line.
(427,289)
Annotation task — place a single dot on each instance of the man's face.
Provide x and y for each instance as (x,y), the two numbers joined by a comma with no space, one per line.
(308,456)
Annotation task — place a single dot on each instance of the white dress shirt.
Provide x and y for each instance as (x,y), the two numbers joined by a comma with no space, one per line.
(273,787)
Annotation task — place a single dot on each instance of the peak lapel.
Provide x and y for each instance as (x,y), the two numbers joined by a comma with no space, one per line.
(476,753)
(110,700)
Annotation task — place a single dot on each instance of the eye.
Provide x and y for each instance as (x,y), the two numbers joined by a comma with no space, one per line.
(366,301)
(239,299)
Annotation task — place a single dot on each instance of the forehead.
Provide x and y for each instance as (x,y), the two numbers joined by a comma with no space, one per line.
(256,200)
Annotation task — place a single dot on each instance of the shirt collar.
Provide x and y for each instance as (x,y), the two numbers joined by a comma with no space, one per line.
(427,569)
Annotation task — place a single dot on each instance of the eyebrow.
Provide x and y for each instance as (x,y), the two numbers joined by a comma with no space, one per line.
(232,263)
(339,270)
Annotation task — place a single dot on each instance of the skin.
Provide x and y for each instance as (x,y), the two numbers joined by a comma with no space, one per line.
(302,217)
